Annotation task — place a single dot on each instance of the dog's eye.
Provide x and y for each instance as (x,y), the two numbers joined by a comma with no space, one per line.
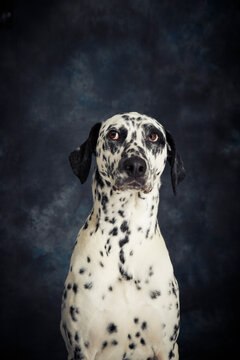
(153,137)
(113,134)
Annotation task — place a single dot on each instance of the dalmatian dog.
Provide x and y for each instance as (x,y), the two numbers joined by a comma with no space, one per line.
(121,298)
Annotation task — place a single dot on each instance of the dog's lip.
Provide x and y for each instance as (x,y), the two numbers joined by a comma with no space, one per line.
(132,184)
(129,183)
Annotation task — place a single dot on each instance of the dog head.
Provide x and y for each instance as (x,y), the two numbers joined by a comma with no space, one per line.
(131,152)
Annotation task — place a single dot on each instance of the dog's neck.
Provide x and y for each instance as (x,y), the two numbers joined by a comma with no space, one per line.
(137,210)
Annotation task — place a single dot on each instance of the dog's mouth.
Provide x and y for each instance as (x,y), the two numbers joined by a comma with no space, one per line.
(132,184)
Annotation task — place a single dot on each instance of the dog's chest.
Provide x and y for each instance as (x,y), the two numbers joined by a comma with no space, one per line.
(121,285)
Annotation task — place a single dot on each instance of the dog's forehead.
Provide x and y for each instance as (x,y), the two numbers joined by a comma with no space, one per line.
(132,121)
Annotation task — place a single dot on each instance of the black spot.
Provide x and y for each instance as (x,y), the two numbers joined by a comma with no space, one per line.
(132,346)
(124,226)
(97,226)
(104,157)
(142,341)
(124,273)
(175,333)
(101,253)
(136,320)
(137,282)
(85,226)
(129,336)
(98,195)
(140,196)
(112,221)
(73,311)
(155,294)
(88,285)
(86,344)
(76,337)
(88,259)
(69,286)
(134,135)
(65,294)
(104,344)
(104,202)
(144,325)
(110,288)
(171,355)
(157,146)
(131,253)
(114,342)
(75,288)
(124,241)
(90,217)
(121,256)
(112,328)
(101,264)
(137,334)
(99,179)
(113,145)
(77,353)
(114,231)
(142,152)
(82,271)
(174,290)
(121,213)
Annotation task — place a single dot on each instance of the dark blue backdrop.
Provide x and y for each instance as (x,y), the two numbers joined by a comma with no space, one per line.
(68,64)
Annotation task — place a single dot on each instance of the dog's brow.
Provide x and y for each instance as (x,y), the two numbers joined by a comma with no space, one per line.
(111,127)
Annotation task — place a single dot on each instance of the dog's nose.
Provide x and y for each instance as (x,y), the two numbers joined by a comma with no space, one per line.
(134,166)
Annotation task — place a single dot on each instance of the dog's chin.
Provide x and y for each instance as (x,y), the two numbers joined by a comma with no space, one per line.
(132,185)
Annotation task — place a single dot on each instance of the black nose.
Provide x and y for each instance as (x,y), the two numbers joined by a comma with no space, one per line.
(134,166)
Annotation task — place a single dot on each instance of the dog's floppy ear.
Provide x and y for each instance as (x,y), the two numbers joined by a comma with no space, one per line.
(81,158)
(177,169)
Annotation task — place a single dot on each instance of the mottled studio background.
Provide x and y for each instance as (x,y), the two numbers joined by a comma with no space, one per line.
(67,64)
